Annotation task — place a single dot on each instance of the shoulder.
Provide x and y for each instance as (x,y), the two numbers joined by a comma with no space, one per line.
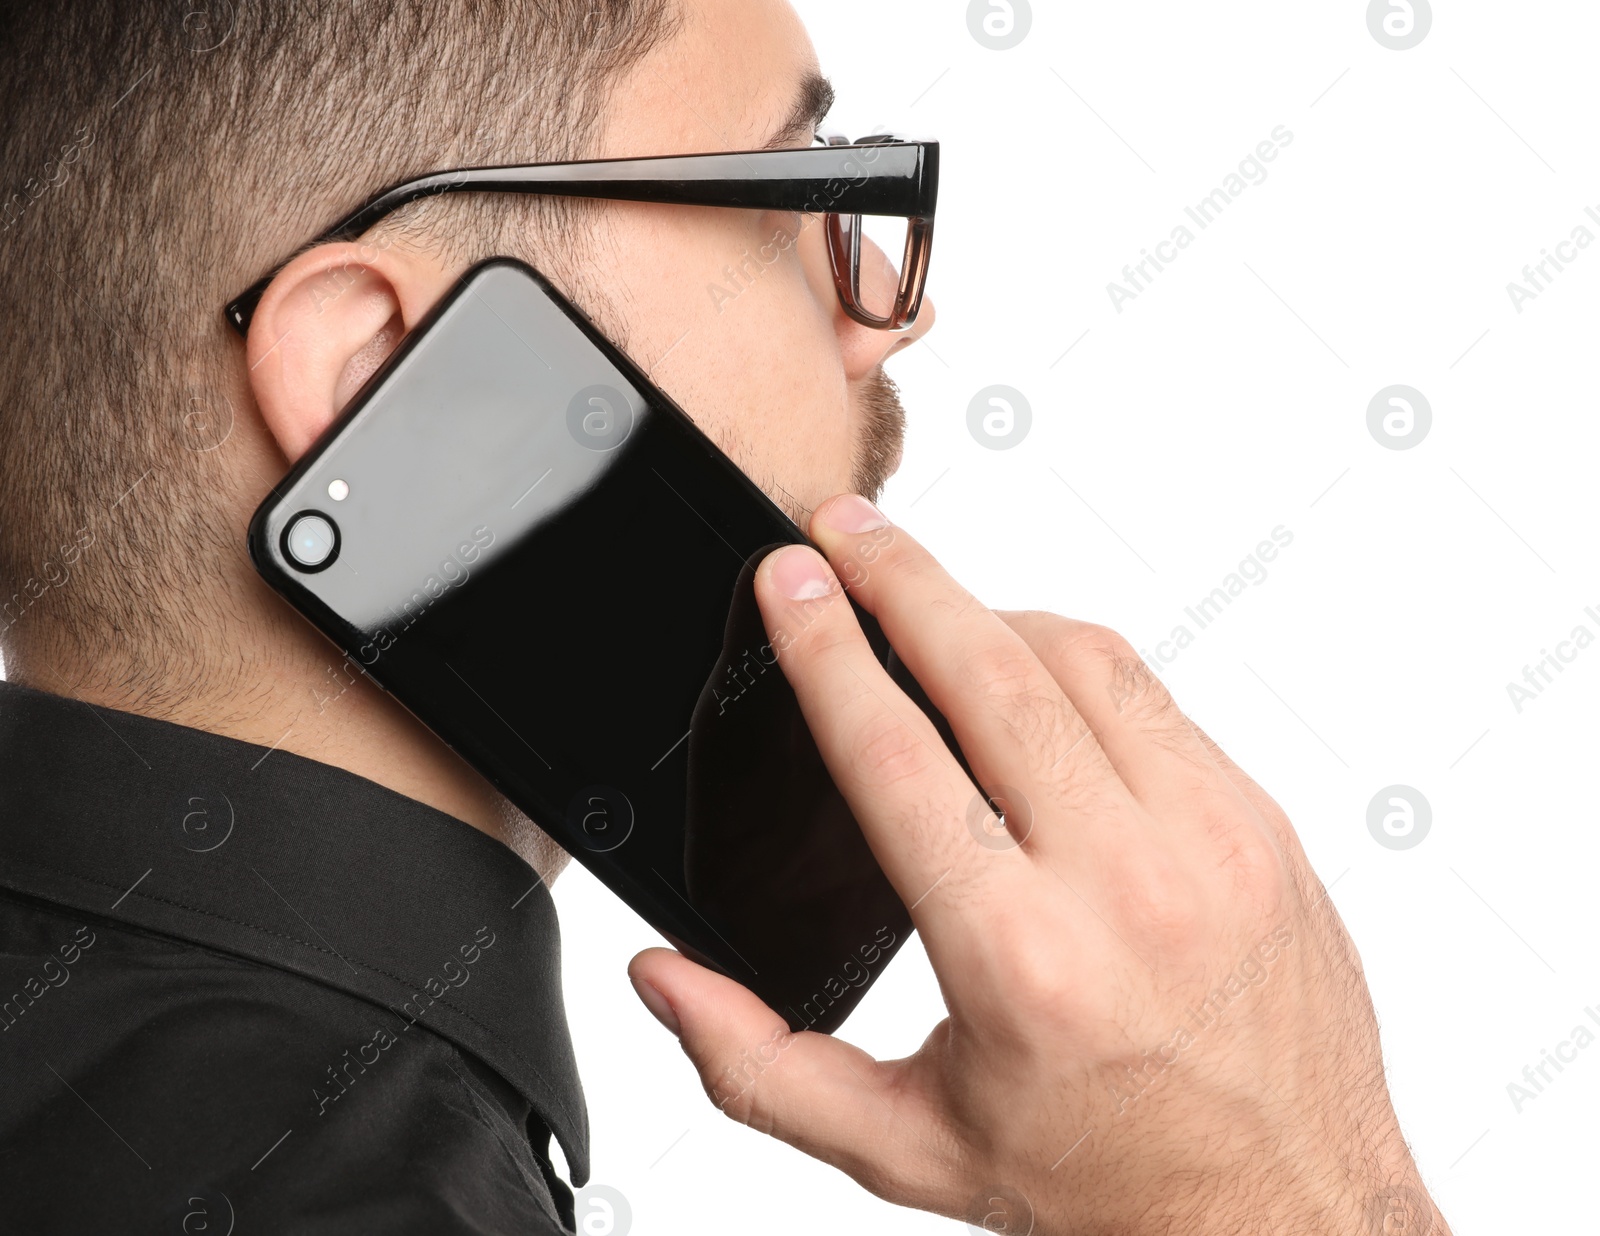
(190,1078)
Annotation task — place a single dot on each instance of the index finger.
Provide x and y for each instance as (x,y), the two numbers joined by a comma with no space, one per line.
(1016,725)
(907,791)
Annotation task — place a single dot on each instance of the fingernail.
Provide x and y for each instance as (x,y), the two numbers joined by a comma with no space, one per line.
(801,575)
(853,513)
(658,1006)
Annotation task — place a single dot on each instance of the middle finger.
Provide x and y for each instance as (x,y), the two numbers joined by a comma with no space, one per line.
(1016,726)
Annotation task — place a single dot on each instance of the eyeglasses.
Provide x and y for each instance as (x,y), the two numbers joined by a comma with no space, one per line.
(858,187)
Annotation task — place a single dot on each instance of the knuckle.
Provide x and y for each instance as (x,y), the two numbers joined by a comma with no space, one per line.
(1136,691)
(889,752)
(1001,670)
(734,1100)
(1088,641)
(934,833)
(828,640)
(1049,635)
(736,1103)
(1031,974)
(1008,680)
(1159,901)
(1040,975)
(739,1086)
(1256,871)
(1266,807)
(1086,646)
(1079,776)
(1037,623)
(1256,855)
(881,552)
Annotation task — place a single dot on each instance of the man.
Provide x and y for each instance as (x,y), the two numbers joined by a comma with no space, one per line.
(265,970)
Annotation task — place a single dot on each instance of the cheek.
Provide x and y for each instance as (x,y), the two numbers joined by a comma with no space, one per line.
(753,358)
(767,386)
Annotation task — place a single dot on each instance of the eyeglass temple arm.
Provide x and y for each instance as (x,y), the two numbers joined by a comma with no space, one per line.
(899,179)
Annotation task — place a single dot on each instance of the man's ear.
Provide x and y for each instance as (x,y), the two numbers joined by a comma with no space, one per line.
(324,324)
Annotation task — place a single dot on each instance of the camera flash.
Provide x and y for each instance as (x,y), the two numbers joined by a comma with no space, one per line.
(338,490)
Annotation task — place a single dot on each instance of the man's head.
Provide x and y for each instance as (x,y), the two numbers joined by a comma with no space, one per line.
(159,160)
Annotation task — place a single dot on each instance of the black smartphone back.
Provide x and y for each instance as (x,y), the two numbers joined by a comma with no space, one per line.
(542,557)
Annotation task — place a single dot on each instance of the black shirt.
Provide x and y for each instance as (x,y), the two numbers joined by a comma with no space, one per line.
(243,990)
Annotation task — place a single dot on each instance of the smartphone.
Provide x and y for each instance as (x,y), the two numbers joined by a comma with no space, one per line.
(538,553)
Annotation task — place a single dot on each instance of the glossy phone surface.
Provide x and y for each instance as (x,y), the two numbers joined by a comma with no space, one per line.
(539,554)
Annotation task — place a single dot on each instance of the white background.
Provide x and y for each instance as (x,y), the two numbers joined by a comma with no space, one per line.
(1223,402)
(1167,440)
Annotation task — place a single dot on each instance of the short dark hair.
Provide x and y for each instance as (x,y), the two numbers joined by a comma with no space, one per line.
(160,155)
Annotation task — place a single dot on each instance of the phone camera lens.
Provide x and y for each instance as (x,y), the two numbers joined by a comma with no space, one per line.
(311,541)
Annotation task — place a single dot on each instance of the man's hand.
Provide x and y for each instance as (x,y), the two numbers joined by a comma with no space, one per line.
(1157,1022)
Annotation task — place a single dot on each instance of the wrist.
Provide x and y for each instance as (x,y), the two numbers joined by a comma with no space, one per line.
(1372,1192)
(1305,1186)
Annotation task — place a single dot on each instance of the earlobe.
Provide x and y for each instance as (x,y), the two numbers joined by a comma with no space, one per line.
(324,324)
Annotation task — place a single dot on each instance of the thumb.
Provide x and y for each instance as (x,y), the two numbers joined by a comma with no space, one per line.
(821,1095)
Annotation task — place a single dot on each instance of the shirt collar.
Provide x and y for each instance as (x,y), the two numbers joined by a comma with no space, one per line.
(297,865)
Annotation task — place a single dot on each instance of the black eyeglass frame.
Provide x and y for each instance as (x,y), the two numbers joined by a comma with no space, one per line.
(842,180)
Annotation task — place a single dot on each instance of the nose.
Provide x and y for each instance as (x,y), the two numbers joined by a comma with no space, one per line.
(923,324)
(862,348)
(866,348)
